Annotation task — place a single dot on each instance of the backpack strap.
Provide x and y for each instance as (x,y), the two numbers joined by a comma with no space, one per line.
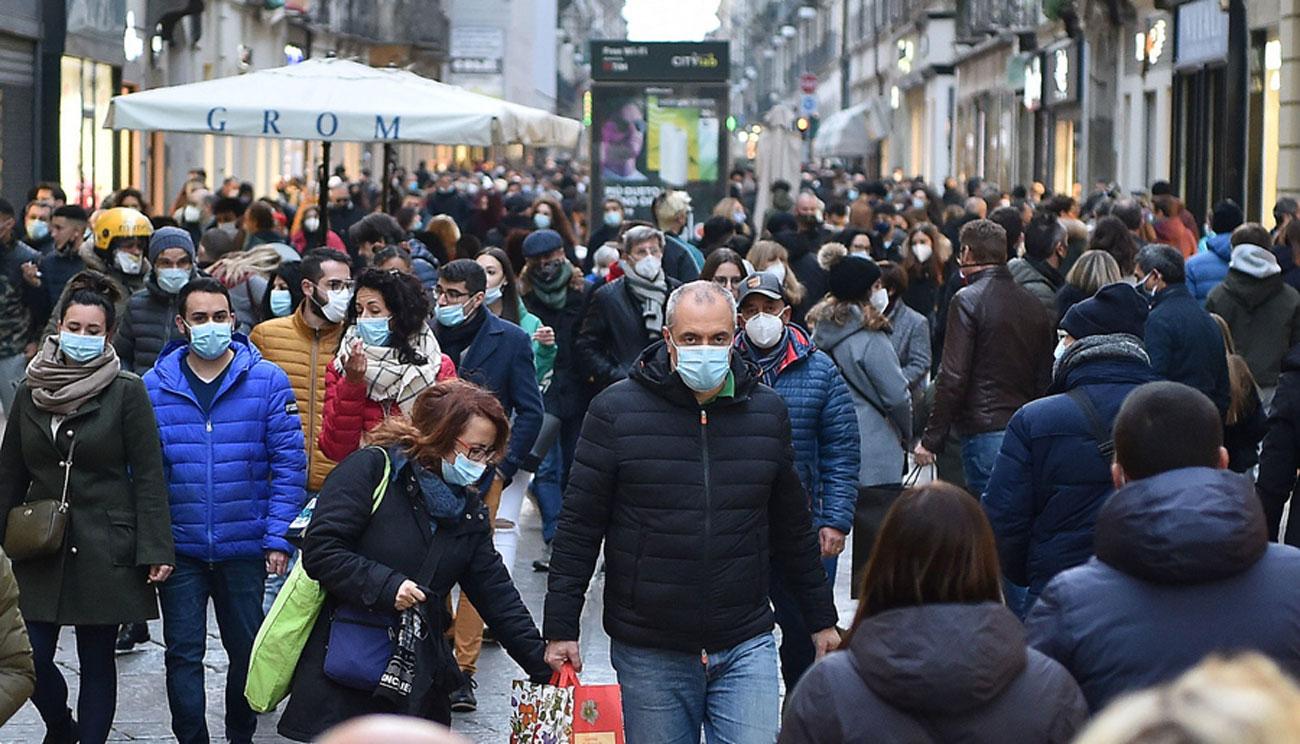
(1100,432)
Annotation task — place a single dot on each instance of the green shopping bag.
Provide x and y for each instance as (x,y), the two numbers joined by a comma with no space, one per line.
(284,632)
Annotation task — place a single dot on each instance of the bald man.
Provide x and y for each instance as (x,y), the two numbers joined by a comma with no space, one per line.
(390,730)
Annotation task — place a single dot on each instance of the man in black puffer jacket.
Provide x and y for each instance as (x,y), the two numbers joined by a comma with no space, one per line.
(685,471)
(149,320)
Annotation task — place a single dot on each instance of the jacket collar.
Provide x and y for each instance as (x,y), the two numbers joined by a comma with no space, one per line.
(300,324)
(484,345)
(1001,271)
(798,346)
(1170,292)
(653,371)
(172,378)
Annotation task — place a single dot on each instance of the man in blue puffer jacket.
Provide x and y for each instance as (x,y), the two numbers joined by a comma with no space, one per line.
(1053,472)
(824,430)
(1207,270)
(236,472)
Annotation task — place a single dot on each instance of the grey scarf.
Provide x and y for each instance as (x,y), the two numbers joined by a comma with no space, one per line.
(60,386)
(1093,348)
(653,296)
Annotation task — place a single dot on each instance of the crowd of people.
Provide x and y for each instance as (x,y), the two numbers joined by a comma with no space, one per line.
(1062,433)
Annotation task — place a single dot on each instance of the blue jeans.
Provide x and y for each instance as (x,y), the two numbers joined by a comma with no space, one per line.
(669,695)
(552,476)
(235,588)
(978,453)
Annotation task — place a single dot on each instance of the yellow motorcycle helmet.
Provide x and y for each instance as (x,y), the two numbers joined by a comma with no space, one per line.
(120,222)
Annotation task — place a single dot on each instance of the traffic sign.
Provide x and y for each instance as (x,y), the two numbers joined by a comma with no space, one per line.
(808,83)
(807,104)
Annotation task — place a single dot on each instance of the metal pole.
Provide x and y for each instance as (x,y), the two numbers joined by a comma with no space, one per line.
(388,177)
(322,185)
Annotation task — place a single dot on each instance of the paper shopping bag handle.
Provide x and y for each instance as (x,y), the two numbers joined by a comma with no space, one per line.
(566,677)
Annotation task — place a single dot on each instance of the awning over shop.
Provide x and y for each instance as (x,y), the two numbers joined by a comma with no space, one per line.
(853,131)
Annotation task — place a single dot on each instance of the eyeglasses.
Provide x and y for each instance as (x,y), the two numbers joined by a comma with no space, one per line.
(334,285)
(728,281)
(452,295)
(479,453)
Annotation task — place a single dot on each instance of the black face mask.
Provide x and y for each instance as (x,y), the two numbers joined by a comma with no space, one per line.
(547,272)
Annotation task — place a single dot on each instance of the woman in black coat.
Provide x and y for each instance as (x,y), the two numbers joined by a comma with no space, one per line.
(429,532)
(932,654)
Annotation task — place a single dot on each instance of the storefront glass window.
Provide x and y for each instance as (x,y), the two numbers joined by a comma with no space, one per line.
(85,147)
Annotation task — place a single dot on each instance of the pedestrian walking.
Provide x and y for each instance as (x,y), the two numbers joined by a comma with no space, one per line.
(119,252)
(1208,269)
(1052,472)
(1039,270)
(498,356)
(554,291)
(1094,270)
(395,563)
(932,654)
(22,305)
(849,326)
(1183,564)
(387,356)
(70,227)
(231,498)
(1182,340)
(910,336)
(1245,424)
(149,321)
(1261,310)
(824,431)
(626,315)
(685,473)
(681,260)
(83,430)
(997,356)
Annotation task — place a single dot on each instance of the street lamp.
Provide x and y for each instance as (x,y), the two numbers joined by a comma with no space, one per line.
(807,12)
(789,31)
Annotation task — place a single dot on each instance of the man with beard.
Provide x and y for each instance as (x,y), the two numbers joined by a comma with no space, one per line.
(305,342)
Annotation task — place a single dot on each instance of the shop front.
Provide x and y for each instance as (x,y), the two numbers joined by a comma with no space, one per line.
(1145,100)
(1061,129)
(986,116)
(19,116)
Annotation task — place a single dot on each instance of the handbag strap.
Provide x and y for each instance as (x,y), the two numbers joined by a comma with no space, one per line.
(566,677)
(67,473)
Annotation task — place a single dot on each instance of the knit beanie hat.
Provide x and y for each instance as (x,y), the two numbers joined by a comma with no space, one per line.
(851,277)
(1116,308)
(1254,260)
(1227,217)
(170,237)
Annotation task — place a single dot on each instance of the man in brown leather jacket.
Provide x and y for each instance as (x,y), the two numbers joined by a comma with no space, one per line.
(997,356)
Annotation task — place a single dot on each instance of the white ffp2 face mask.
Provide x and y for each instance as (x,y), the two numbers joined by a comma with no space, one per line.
(777,270)
(880,299)
(335,308)
(922,251)
(648,268)
(764,330)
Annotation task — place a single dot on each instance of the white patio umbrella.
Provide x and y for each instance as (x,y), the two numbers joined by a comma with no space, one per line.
(335,100)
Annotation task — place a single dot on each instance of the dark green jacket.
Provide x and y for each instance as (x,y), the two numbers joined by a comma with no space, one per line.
(119,524)
(1264,317)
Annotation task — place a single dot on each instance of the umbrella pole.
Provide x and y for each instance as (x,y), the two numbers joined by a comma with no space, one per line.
(322,187)
(388,176)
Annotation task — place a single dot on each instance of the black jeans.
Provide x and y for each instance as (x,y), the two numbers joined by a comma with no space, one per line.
(97,700)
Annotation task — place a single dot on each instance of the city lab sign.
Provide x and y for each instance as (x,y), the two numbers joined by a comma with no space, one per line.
(326,125)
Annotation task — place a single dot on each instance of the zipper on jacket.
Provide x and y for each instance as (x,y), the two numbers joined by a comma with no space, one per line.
(207,496)
(708,501)
(311,405)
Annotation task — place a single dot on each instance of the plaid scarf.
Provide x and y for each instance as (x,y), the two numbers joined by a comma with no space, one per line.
(387,378)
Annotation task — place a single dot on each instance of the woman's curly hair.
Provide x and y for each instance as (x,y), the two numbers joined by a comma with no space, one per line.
(406,301)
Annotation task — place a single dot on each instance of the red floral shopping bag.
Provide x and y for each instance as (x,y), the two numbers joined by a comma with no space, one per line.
(565,712)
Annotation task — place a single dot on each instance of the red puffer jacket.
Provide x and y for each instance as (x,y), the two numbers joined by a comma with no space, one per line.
(349,413)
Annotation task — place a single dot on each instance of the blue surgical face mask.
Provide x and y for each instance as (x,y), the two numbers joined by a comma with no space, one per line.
(210,340)
(613,219)
(281,302)
(450,315)
(38,230)
(542,221)
(374,331)
(703,368)
(172,280)
(493,294)
(80,348)
(463,471)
